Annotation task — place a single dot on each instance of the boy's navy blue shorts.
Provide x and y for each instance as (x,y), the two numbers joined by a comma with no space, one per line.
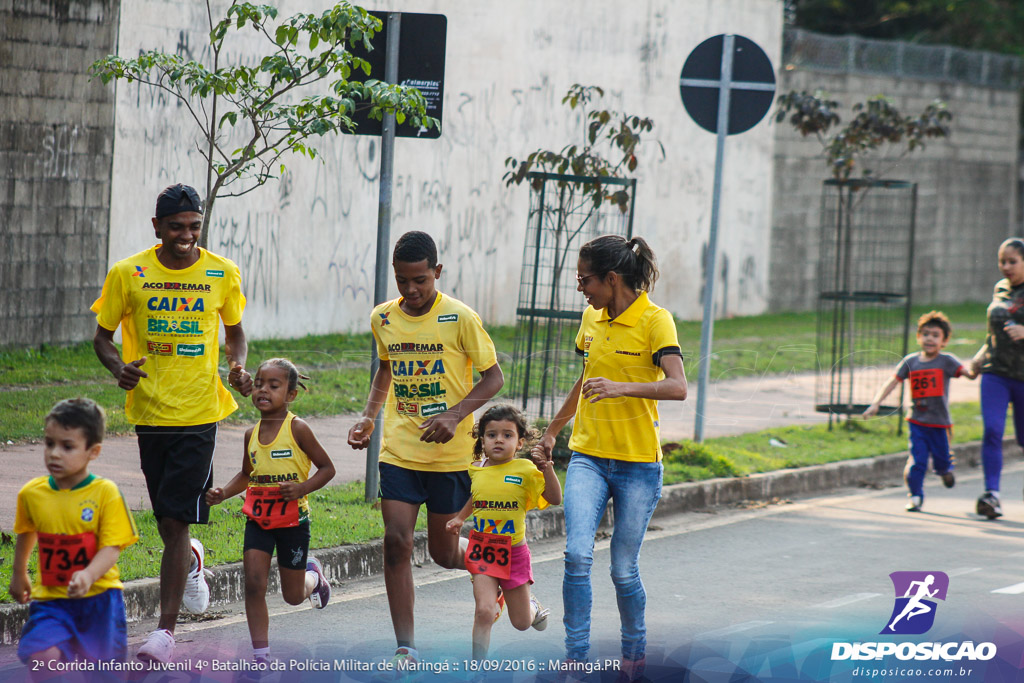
(444,492)
(83,628)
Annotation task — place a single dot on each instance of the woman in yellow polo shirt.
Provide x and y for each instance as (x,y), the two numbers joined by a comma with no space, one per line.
(631,360)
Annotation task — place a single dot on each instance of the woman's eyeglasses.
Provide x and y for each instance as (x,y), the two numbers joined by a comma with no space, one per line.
(581,280)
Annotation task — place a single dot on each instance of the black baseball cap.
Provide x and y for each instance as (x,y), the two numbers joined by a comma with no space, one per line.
(178,199)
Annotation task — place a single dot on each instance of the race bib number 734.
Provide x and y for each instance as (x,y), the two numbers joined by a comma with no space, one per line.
(61,555)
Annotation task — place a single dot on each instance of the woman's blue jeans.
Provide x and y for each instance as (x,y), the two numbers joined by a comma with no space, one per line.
(997,392)
(635,488)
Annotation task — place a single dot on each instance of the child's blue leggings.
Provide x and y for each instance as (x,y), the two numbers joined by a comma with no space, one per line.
(925,441)
(997,392)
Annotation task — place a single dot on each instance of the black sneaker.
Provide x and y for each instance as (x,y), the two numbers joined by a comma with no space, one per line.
(948,480)
(988,506)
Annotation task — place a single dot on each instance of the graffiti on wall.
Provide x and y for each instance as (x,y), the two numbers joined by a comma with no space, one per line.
(253,242)
(57,158)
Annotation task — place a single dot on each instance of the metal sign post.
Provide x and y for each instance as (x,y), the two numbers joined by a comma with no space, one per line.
(380,284)
(716,68)
(416,61)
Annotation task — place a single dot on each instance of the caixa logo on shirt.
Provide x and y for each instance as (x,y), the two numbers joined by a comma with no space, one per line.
(176,303)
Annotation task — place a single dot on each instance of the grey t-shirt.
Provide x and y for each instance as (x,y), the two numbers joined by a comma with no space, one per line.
(929,387)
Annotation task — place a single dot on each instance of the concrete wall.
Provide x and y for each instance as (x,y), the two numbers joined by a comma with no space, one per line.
(306,244)
(56,139)
(966,188)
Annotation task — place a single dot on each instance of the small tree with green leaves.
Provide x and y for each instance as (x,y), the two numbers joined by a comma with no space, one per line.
(877,124)
(300,89)
(620,133)
(609,148)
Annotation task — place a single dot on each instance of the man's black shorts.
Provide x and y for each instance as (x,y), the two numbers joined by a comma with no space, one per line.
(292,543)
(444,492)
(178,465)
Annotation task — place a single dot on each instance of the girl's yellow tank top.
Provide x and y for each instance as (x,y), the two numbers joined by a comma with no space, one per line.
(279,461)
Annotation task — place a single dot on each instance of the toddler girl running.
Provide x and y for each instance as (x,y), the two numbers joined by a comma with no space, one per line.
(503,489)
(276,460)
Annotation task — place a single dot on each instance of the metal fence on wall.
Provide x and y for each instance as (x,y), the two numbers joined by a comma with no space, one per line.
(864,296)
(562,219)
(854,54)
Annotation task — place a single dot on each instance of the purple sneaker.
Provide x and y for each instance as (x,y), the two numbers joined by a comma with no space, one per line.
(322,593)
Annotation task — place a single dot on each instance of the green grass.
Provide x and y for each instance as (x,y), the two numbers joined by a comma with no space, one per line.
(783,343)
(806,445)
(339,517)
(32,380)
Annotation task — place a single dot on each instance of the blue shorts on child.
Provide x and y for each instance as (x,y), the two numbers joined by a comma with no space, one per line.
(83,628)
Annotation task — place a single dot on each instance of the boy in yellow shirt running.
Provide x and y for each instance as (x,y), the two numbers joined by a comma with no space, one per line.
(80,523)
(429,344)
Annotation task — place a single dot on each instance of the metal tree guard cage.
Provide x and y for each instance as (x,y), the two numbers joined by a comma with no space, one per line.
(864,274)
(548,313)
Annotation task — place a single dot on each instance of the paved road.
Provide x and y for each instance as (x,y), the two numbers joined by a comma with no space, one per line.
(734,407)
(773,587)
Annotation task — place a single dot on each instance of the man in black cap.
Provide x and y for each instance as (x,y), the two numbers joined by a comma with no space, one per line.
(169,301)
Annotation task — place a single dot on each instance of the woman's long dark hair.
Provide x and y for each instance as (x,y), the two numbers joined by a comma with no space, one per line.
(633,260)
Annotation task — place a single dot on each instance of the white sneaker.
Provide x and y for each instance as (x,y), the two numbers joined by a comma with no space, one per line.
(159,647)
(197,593)
(540,615)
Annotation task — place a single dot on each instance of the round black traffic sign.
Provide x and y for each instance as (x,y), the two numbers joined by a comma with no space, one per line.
(750,86)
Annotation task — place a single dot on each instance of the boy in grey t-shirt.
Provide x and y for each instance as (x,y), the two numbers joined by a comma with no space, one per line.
(929,371)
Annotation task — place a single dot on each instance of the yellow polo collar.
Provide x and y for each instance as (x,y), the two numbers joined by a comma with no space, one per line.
(629,317)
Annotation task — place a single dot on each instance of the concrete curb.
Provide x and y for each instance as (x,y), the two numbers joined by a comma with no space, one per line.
(142,596)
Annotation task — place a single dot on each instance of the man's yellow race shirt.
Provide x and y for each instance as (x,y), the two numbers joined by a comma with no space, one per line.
(172,317)
(93,506)
(279,461)
(502,495)
(431,357)
(626,349)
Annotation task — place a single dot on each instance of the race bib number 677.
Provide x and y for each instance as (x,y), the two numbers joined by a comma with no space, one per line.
(265,506)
